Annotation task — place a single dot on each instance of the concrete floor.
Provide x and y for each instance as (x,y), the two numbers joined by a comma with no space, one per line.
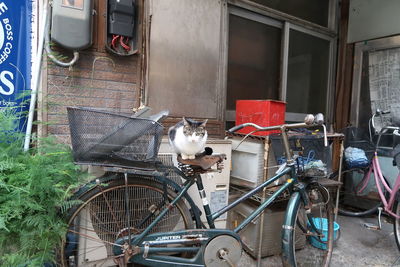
(357,246)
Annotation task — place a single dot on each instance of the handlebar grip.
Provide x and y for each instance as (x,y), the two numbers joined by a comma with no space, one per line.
(379,112)
(319,119)
(235,128)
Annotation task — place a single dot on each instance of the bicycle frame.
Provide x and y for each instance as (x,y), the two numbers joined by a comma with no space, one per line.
(380,181)
(181,237)
(200,237)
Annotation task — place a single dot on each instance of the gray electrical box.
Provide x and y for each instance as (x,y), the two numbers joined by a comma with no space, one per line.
(72,23)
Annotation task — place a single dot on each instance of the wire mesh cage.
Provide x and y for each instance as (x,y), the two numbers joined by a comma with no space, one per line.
(358,138)
(102,137)
(313,157)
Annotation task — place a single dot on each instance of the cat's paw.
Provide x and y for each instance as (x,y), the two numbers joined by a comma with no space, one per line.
(192,156)
(184,156)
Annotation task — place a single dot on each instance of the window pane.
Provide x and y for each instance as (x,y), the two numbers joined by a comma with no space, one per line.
(308,67)
(380,81)
(315,11)
(253,61)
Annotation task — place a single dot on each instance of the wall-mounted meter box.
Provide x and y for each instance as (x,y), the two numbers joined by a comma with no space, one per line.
(72,23)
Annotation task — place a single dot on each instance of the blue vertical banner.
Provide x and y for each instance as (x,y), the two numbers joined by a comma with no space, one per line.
(15,56)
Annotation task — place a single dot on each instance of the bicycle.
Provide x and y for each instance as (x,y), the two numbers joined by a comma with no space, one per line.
(136,214)
(387,194)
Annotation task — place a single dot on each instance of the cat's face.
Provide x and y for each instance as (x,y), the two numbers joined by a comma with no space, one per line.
(194,130)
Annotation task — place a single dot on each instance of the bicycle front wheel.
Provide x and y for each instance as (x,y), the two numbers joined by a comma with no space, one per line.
(307,246)
(103,217)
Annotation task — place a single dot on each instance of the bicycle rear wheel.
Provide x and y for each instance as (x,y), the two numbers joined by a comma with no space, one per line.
(307,247)
(102,218)
(351,196)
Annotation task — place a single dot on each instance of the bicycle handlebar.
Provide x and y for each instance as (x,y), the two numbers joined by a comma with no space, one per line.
(309,121)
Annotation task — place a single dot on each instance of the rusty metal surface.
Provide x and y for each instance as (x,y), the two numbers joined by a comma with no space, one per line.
(203,161)
(184,57)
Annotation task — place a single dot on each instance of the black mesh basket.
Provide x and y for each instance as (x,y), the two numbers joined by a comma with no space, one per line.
(101,137)
(308,148)
(358,138)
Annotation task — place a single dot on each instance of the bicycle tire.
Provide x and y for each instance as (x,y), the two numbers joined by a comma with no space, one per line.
(396,224)
(101,219)
(301,250)
(343,210)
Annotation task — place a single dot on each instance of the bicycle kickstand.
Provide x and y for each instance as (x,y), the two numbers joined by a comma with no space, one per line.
(373,226)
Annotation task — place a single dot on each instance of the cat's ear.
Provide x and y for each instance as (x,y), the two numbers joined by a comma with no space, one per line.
(185,122)
(203,124)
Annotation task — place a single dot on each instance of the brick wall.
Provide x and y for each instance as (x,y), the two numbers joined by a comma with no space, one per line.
(97,80)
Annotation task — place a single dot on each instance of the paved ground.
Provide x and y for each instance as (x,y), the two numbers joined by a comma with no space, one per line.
(357,246)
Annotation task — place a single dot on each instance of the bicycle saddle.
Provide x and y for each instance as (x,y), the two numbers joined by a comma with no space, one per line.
(204,160)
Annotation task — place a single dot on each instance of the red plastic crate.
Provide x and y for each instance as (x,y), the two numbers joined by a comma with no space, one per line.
(261,112)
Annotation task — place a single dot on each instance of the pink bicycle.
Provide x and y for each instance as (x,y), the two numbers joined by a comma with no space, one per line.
(357,177)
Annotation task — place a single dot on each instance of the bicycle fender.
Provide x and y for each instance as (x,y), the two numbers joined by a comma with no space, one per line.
(287,229)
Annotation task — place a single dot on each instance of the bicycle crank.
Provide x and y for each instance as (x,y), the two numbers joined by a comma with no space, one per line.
(221,251)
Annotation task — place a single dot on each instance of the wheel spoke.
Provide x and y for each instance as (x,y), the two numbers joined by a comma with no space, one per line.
(107,214)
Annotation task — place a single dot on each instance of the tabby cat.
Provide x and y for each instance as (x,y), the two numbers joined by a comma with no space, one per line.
(188,137)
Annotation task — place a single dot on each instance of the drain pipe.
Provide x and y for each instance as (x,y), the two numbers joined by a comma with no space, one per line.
(36,76)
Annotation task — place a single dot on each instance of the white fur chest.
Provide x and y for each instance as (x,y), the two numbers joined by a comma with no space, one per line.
(188,145)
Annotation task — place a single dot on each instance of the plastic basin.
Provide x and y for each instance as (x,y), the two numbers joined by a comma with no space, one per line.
(322,225)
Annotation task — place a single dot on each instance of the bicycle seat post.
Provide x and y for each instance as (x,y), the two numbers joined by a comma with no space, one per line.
(285,138)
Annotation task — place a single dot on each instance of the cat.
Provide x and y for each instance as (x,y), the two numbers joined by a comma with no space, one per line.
(188,137)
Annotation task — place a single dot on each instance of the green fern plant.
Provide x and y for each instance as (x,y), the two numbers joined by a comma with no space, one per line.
(34,191)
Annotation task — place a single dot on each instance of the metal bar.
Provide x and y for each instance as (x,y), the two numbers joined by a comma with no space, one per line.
(203,198)
(249,194)
(255,17)
(285,59)
(128,214)
(170,249)
(330,95)
(267,11)
(311,32)
(266,203)
(134,171)
(339,179)
(286,146)
(261,225)
(36,75)
(223,59)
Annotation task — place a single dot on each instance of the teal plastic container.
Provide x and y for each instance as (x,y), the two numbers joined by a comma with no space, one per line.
(322,225)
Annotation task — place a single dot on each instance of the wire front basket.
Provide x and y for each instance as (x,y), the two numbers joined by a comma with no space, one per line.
(101,137)
(313,158)
(358,138)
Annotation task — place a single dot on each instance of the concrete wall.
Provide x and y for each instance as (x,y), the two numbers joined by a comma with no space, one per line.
(97,80)
(371,19)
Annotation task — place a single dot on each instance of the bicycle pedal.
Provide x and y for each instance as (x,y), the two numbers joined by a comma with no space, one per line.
(371,226)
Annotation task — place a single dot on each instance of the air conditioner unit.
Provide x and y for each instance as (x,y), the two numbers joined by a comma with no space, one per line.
(250,157)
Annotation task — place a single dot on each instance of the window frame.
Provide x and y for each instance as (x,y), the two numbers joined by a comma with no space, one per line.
(359,49)
(250,10)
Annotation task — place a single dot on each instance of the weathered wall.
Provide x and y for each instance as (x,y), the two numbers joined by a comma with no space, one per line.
(97,80)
